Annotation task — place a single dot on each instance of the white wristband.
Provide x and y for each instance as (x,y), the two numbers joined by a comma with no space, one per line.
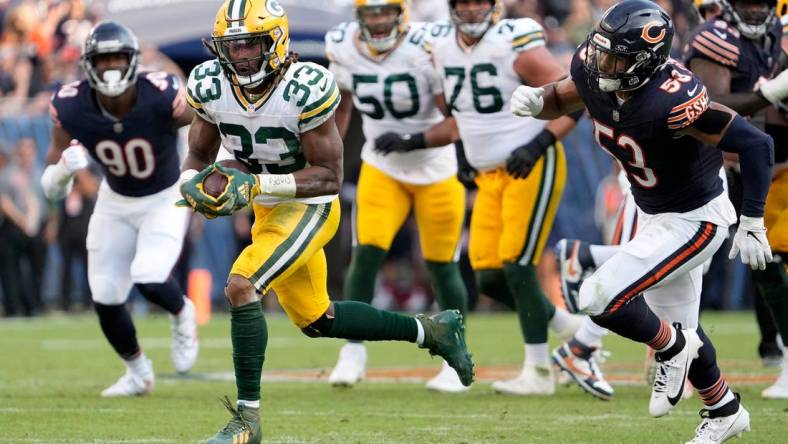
(187,176)
(281,185)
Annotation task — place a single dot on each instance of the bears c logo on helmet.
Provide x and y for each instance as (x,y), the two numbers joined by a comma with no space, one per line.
(646,35)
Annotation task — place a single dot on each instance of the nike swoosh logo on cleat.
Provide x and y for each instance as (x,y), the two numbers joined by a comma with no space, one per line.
(675,400)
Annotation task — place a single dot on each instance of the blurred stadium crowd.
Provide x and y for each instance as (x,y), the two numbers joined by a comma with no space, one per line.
(43,257)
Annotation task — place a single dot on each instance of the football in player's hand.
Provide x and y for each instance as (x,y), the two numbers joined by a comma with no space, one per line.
(215,183)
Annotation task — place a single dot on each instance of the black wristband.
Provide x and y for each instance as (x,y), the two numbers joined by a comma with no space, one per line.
(417,141)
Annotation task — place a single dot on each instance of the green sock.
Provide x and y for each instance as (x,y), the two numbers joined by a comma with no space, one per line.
(364,266)
(449,287)
(533,308)
(362,322)
(492,282)
(249,335)
(773,283)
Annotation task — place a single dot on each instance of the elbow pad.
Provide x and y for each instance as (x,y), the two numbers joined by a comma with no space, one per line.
(756,158)
(56,181)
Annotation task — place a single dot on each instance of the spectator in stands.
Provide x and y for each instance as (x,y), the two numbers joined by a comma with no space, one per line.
(23,254)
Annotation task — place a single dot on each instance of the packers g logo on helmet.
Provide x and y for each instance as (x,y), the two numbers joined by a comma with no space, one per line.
(251,39)
(381,36)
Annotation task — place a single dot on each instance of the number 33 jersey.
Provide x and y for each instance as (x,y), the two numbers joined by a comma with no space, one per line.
(266,134)
(394,94)
(478,83)
(137,153)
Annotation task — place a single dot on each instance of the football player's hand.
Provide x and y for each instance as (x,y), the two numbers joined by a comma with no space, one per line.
(466,174)
(750,242)
(241,190)
(74,157)
(193,194)
(527,101)
(522,160)
(776,89)
(399,143)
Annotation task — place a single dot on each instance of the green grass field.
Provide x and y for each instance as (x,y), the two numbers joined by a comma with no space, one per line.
(52,370)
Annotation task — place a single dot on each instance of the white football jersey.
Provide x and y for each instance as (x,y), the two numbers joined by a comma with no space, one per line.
(266,135)
(393,94)
(478,83)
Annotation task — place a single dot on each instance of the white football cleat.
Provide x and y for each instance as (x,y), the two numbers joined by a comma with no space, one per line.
(778,390)
(719,430)
(184,346)
(670,375)
(585,372)
(531,381)
(132,384)
(351,366)
(447,381)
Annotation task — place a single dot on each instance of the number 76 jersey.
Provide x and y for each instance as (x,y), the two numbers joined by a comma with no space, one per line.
(266,134)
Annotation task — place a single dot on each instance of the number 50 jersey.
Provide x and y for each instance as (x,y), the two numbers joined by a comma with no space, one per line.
(266,134)
(478,83)
(393,94)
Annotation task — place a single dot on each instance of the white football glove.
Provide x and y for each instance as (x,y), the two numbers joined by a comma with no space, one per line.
(74,157)
(527,101)
(776,89)
(750,242)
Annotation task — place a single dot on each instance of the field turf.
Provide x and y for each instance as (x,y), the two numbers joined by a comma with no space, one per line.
(52,370)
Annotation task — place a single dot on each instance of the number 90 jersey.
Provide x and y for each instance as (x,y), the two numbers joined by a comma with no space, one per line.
(478,84)
(138,153)
(393,94)
(266,134)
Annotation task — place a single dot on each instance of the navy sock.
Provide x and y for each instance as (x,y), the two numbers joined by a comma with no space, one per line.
(167,295)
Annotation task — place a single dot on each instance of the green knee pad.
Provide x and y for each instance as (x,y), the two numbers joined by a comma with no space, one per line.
(364,266)
(449,287)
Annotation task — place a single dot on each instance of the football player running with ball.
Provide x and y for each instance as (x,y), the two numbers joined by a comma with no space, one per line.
(482,59)
(276,116)
(654,117)
(379,63)
(128,123)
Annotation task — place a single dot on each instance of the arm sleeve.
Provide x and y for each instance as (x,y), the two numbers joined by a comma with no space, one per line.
(756,157)
(317,111)
(527,34)
(193,99)
(714,42)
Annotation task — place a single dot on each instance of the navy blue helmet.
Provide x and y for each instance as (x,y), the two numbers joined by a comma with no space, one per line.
(753,18)
(628,45)
(109,37)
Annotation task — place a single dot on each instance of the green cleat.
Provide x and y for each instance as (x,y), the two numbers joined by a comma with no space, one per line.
(243,428)
(443,336)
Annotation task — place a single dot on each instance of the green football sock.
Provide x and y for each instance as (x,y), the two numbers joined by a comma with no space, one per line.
(362,322)
(249,334)
(773,283)
(533,308)
(364,266)
(449,287)
(492,282)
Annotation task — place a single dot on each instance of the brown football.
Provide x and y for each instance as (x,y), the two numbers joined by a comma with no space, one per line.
(215,182)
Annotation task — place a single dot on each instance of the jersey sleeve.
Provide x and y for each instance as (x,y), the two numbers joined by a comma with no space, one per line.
(64,105)
(323,97)
(426,67)
(337,65)
(715,42)
(686,98)
(203,86)
(527,34)
(171,102)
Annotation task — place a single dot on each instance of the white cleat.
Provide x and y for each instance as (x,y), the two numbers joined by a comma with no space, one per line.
(447,381)
(778,390)
(132,384)
(670,375)
(531,381)
(351,366)
(584,372)
(184,346)
(719,430)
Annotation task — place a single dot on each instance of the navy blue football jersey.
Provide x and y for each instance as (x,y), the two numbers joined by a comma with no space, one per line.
(138,153)
(748,60)
(668,172)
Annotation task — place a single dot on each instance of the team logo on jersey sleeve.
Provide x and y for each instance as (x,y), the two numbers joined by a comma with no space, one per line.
(648,34)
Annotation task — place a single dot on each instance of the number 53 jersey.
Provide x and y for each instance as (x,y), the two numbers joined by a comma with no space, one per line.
(266,134)
(478,83)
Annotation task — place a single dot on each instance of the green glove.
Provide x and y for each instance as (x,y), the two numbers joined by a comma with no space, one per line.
(241,190)
(195,197)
